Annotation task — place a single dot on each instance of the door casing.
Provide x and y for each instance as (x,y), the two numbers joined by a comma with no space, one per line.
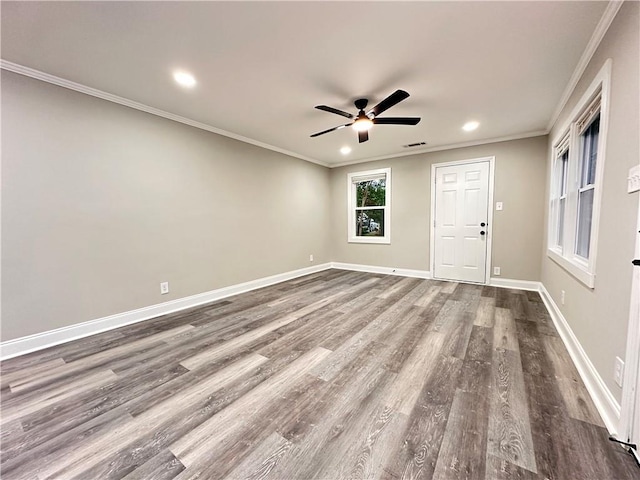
(491,161)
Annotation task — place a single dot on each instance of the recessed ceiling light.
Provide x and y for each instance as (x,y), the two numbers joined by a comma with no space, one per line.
(345,150)
(185,79)
(469,126)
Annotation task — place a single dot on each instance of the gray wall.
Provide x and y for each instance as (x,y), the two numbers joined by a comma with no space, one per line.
(519,184)
(101,203)
(599,317)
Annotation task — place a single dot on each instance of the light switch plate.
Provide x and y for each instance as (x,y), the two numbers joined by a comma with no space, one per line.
(498,206)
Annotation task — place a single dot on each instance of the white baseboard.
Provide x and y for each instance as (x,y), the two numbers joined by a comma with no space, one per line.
(605,402)
(39,341)
(403,272)
(516,284)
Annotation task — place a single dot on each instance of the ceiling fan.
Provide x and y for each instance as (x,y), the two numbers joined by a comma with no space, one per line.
(364,121)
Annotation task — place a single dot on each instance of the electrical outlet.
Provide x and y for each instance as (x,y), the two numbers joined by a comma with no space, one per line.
(496,270)
(311,257)
(618,371)
(562,297)
(164,288)
(498,206)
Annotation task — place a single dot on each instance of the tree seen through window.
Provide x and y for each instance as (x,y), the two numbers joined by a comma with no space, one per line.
(370,221)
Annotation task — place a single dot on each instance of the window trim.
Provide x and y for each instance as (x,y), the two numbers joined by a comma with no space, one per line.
(351,207)
(582,269)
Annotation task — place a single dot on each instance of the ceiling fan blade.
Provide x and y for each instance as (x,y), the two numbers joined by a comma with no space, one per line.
(393,99)
(397,121)
(363,136)
(334,110)
(331,129)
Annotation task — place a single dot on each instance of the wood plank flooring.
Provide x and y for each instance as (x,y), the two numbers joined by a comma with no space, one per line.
(333,375)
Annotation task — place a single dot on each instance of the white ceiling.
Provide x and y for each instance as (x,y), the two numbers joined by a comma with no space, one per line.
(261,67)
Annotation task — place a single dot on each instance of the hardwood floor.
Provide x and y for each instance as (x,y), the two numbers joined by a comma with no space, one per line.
(333,375)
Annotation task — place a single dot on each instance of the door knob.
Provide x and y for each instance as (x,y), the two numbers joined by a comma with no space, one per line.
(482,224)
(481,232)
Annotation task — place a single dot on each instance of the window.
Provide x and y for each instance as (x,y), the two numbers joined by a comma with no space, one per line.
(576,178)
(369,206)
(559,195)
(586,187)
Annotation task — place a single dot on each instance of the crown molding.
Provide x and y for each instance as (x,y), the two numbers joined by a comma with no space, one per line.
(594,42)
(440,148)
(78,87)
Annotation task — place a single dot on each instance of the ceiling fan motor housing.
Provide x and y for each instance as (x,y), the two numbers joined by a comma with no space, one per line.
(361,103)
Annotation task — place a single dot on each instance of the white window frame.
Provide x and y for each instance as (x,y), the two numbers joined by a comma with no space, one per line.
(352,180)
(584,269)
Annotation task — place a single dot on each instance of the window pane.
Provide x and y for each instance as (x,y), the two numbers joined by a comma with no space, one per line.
(558,177)
(560,230)
(585,212)
(595,134)
(371,193)
(559,202)
(564,165)
(369,223)
(589,140)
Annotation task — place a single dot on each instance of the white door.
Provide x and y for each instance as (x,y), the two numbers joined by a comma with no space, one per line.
(633,345)
(461,222)
(629,430)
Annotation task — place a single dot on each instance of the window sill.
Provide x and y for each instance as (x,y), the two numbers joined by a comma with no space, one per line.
(379,240)
(578,270)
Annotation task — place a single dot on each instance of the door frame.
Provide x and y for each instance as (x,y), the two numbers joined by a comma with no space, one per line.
(491,161)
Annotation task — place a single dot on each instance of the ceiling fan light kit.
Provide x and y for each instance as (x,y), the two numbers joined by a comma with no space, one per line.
(362,124)
(364,121)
